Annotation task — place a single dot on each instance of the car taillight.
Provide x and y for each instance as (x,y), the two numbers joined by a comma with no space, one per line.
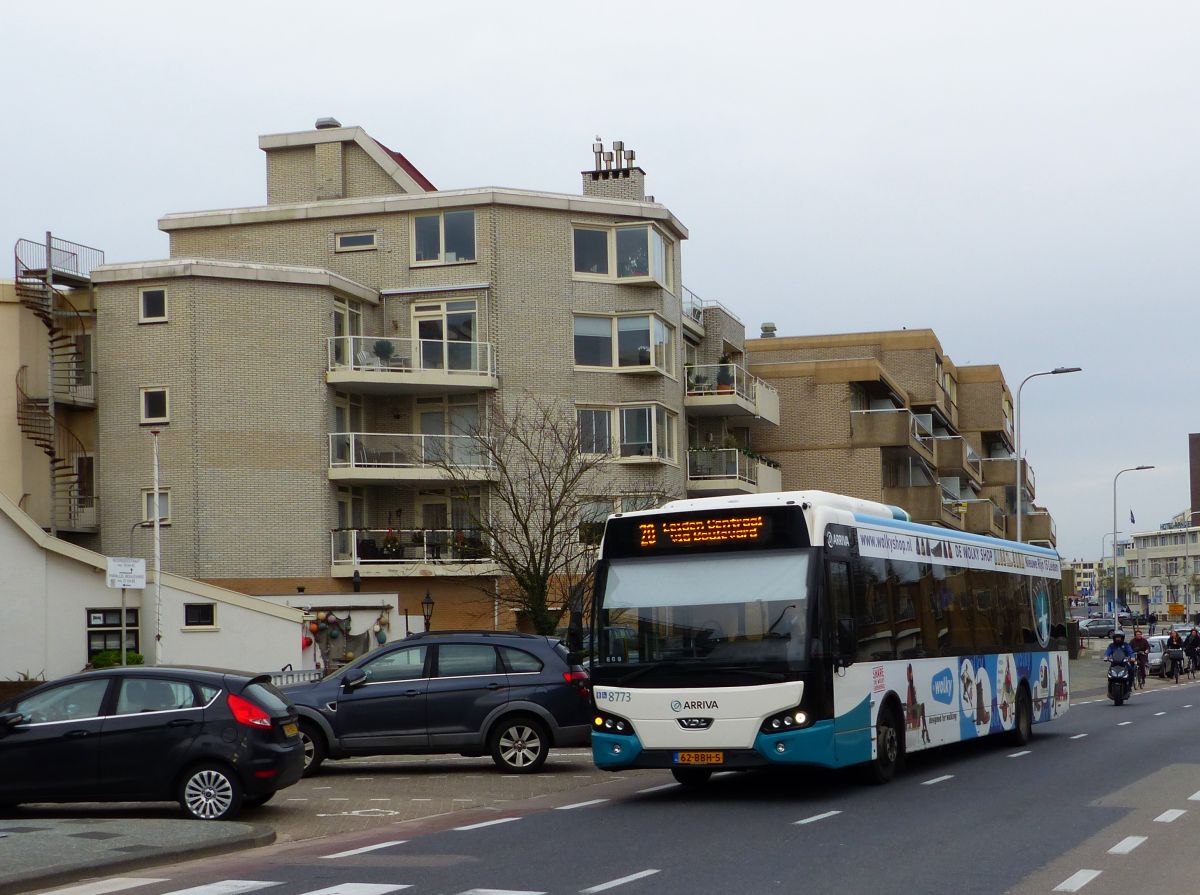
(579,679)
(246,712)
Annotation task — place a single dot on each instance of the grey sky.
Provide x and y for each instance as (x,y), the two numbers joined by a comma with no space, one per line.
(1020,178)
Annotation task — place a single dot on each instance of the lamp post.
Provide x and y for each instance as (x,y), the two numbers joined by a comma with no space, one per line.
(427,609)
(1017,412)
(1116,620)
(1104,537)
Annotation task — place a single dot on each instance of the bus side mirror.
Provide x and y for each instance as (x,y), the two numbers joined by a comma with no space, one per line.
(847,642)
(575,632)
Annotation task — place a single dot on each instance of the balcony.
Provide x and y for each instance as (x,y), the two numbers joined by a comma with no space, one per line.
(898,427)
(954,456)
(730,471)
(928,504)
(1038,528)
(382,457)
(729,390)
(383,365)
(1003,471)
(985,518)
(391,552)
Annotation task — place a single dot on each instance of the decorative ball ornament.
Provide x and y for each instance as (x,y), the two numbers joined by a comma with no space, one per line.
(306,642)
(333,633)
(313,626)
(381,637)
(321,616)
(375,628)
(321,626)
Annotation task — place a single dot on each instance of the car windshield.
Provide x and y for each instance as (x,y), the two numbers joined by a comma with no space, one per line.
(734,610)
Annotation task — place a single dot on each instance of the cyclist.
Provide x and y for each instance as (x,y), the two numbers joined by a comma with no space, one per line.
(1173,653)
(1191,646)
(1141,652)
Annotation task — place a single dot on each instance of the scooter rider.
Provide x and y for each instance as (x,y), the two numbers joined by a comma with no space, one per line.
(1120,650)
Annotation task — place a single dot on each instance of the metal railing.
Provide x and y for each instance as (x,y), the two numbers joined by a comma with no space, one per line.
(395,355)
(295,676)
(722,463)
(694,306)
(367,450)
(66,257)
(716,379)
(362,546)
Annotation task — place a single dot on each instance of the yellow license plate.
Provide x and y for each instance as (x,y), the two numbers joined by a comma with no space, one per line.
(291,730)
(699,758)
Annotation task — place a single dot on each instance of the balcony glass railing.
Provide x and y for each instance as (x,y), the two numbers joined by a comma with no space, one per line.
(722,463)
(380,546)
(716,379)
(394,355)
(384,450)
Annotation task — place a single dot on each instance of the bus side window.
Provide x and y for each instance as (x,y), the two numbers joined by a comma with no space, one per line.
(844,635)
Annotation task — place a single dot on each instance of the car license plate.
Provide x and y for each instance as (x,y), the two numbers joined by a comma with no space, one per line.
(699,758)
(290,730)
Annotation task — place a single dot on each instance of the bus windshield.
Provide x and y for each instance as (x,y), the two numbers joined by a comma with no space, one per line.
(733,610)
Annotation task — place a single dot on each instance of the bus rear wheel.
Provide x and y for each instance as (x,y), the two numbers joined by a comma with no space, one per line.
(889,749)
(691,776)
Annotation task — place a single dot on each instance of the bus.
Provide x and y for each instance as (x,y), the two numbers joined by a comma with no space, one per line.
(809,628)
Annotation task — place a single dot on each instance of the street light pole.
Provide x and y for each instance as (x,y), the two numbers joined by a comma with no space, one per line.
(1116,618)
(1104,537)
(1017,411)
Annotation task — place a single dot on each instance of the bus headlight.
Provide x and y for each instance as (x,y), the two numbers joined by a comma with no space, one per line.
(792,719)
(606,723)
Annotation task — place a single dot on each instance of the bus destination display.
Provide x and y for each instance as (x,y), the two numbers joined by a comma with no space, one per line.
(696,531)
(700,532)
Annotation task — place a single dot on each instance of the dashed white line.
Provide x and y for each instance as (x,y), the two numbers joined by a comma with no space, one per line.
(1156,714)
(1126,845)
(1077,881)
(1123,723)
(1079,736)
(359,889)
(941,779)
(104,886)
(499,892)
(581,805)
(658,788)
(380,800)
(817,817)
(1188,706)
(365,849)
(1022,752)
(486,823)
(1194,797)
(228,887)
(337,799)
(1170,816)
(612,884)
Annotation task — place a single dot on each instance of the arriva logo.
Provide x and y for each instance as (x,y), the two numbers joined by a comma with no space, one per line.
(679,706)
(942,686)
(836,539)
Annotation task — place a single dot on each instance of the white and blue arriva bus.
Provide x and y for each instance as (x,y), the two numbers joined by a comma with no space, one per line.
(807,628)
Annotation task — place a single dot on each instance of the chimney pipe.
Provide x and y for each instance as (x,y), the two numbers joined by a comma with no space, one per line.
(327,123)
(767,330)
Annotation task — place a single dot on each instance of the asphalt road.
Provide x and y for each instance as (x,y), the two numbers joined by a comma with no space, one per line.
(1066,813)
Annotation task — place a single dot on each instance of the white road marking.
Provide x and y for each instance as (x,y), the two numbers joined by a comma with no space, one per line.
(1019,754)
(1156,714)
(104,886)
(227,887)
(612,884)
(817,817)
(486,823)
(462,800)
(364,779)
(658,788)
(359,889)
(1126,845)
(1188,706)
(941,779)
(581,805)
(421,800)
(322,787)
(1194,797)
(1123,723)
(1076,881)
(1079,736)
(1168,816)
(337,799)
(380,800)
(498,892)
(297,800)
(364,850)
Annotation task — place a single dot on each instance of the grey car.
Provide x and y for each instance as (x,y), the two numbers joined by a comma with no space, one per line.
(472,692)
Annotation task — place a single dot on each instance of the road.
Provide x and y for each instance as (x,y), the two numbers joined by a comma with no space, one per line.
(1067,813)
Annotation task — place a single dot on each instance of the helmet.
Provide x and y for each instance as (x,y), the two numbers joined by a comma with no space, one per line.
(1118,633)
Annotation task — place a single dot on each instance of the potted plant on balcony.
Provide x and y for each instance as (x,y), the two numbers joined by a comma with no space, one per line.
(384,349)
(390,547)
(724,374)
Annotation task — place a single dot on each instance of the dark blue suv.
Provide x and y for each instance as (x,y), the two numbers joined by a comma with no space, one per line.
(471,692)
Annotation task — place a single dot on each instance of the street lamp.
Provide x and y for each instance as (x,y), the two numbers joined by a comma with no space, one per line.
(1116,619)
(427,609)
(1020,461)
(1100,571)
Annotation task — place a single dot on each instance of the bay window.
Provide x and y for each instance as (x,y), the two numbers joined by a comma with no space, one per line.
(636,253)
(629,342)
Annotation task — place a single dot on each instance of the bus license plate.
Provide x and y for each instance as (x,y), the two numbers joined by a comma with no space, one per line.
(290,730)
(699,758)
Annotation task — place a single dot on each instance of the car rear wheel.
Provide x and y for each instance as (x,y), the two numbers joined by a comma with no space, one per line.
(519,745)
(315,750)
(210,792)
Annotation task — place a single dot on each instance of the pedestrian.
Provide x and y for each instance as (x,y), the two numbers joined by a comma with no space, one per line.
(1153,621)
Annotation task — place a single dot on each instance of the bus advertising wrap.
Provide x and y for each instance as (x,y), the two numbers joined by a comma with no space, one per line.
(884,544)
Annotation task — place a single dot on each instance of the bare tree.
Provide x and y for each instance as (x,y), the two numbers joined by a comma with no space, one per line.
(544,484)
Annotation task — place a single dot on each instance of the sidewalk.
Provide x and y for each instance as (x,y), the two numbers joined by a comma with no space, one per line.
(40,852)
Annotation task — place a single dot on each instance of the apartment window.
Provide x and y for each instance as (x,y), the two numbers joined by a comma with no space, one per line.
(355,242)
(629,342)
(637,253)
(592,516)
(164,505)
(156,405)
(199,615)
(153,305)
(595,436)
(447,237)
(647,432)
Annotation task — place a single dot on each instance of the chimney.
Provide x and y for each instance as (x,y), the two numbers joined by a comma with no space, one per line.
(767,330)
(326,123)
(614,176)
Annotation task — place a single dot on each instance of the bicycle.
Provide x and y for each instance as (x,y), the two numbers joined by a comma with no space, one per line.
(1139,680)
(1175,657)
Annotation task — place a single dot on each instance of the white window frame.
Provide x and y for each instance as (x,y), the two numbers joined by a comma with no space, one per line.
(166,314)
(441,258)
(155,420)
(664,364)
(656,455)
(148,496)
(652,277)
(588,408)
(339,247)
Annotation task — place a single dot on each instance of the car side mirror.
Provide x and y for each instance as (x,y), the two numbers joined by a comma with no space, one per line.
(847,641)
(9,720)
(353,679)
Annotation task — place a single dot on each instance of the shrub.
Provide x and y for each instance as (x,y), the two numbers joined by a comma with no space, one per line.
(111,657)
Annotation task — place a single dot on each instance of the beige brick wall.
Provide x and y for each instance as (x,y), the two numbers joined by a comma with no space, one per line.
(289,175)
(627,183)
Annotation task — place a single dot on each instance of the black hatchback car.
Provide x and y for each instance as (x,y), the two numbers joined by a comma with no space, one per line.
(471,692)
(213,740)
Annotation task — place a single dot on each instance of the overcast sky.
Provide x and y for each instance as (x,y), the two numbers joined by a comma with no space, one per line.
(1020,177)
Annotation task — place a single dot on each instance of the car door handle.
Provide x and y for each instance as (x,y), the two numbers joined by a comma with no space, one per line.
(181,722)
(412,692)
(76,734)
(494,686)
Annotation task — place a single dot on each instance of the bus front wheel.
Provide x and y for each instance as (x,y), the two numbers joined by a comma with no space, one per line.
(691,776)
(1022,731)
(888,747)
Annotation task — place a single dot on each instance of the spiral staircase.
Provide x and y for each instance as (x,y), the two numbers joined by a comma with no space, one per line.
(47,276)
